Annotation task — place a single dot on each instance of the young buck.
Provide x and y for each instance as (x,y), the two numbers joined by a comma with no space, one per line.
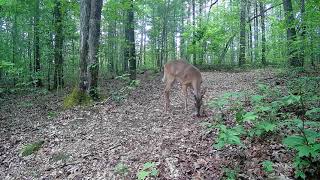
(188,76)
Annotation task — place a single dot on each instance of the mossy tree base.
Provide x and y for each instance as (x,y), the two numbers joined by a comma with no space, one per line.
(76,98)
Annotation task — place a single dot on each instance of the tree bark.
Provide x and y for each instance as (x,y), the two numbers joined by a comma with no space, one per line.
(126,48)
(38,82)
(303,31)
(85,8)
(242,49)
(194,55)
(14,34)
(256,32)
(131,42)
(249,34)
(58,47)
(291,35)
(263,35)
(142,37)
(93,42)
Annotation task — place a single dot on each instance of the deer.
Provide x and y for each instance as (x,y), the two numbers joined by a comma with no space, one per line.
(189,77)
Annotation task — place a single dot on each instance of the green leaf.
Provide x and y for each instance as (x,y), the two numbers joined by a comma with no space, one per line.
(250,116)
(154,172)
(219,145)
(311,135)
(293,141)
(300,174)
(148,165)
(304,150)
(143,175)
(264,108)
(267,126)
(267,166)
(290,99)
(314,113)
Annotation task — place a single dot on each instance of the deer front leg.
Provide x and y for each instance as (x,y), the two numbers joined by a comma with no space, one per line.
(185,92)
(167,93)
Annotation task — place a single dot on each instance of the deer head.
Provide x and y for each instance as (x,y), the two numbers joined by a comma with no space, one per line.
(198,101)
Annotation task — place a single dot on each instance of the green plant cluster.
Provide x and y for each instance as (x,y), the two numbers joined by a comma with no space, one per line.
(29,149)
(271,111)
(148,170)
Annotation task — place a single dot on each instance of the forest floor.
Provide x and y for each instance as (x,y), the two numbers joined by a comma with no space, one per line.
(89,142)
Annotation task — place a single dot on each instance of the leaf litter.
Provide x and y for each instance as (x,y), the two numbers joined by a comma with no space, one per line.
(89,142)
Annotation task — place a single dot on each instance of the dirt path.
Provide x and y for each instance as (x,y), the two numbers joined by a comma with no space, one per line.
(89,142)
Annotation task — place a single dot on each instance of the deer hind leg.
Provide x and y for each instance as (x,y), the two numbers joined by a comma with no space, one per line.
(167,92)
(185,93)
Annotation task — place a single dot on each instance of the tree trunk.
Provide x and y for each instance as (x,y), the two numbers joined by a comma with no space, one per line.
(256,32)
(142,32)
(85,7)
(194,55)
(14,34)
(303,32)
(126,46)
(182,41)
(242,49)
(249,33)
(38,82)
(131,42)
(174,34)
(263,35)
(58,47)
(49,62)
(93,42)
(291,35)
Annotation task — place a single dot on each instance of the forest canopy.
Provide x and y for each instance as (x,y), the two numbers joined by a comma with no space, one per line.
(40,39)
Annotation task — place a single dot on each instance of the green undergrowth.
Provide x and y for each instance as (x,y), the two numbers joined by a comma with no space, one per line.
(29,149)
(289,112)
(75,98)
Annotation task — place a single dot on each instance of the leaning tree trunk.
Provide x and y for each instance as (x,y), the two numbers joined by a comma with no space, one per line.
(242,50)
(291,35)
(58,47)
